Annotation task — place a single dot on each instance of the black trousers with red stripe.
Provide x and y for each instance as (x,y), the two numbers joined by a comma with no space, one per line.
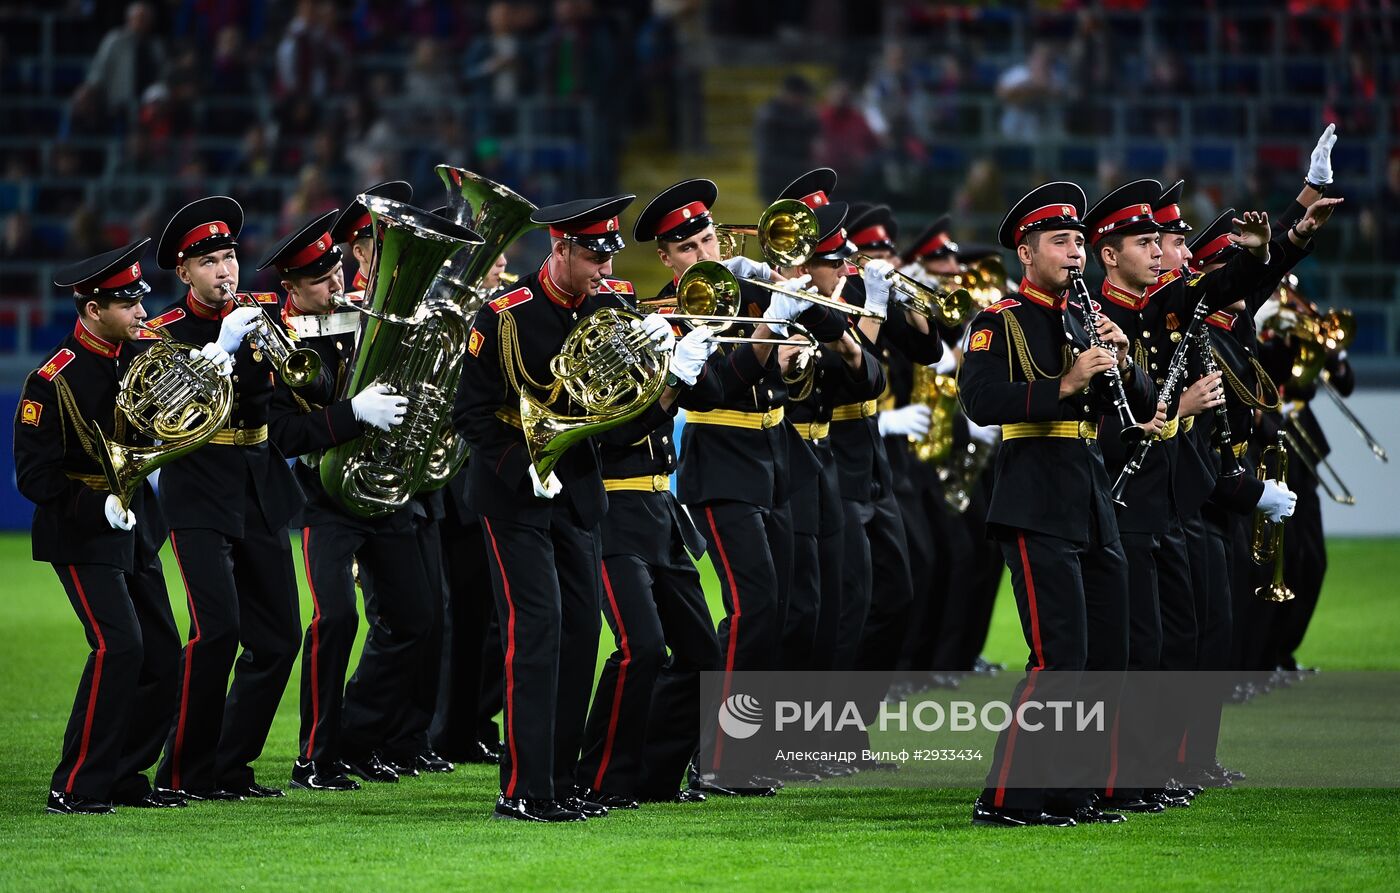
(470,655)
(239,591)
(126,695)
(349,721)
(813,618)
(1072,601)
(547,595)
(644,726)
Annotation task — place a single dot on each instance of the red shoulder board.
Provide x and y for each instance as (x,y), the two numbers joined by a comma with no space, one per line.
(620,286)
(851,270)
(1222,319)
(1003,304)
(511,299)
(264,297)
(169,316)
(55,364)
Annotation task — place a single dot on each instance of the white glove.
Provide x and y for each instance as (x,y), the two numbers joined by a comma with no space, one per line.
(745,268)
(947,363)
(216,355)
(379,407)
(546,489)
(657,329)
(118,517)
(689,355)
(877,284)
(1320,167)
(1277,500)
(784,307)
(912,420)
(236,326)
(983,434)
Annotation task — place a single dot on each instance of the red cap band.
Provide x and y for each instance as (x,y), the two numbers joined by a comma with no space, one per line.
(1045,212)
(125,276)
(1130,214)
(1213,247)
(202,232)
(680,215)
(870,235)
(1168,214)
(596,228)
(815,199)
(313,252)
(358,227)
(831,243)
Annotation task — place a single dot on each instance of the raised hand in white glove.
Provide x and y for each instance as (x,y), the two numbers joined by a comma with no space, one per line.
(217,356)
(745,268)
(784,307)
(549,488)
(1320,166)
(379,407)
(689,355)
(1277,501)
(877,284)
(912,421)
(236,327)
(657,329)
(120,518)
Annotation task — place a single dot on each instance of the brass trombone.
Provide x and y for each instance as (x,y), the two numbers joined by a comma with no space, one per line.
(787,233)
(1303,444)
(1266,543)
(707,295)
(1376,449)
(949,308)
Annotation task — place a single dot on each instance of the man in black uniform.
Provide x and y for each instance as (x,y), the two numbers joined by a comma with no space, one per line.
(542,534)
(228,505)
(1029,367)
(112,573)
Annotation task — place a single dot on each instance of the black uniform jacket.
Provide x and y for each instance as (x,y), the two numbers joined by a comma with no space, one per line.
(56,464)
(219,485)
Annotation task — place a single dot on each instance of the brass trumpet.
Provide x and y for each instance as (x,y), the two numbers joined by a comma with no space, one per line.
(949,308)
(1266,542)
(787,233)
(298,366)
(707,295)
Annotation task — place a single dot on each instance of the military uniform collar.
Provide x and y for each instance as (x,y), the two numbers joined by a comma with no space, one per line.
(1123,297)
(206,311)
(94,344)
(554,292)
(1040,296)
(1222,319)
(360,283)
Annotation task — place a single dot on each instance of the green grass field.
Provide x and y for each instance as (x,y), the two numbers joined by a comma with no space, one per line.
(433,832)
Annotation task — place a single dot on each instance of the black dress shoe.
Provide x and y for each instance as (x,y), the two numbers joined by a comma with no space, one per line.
(526,809)
(255,791)
(1207,779)
(429,761)
(483,752)
(684,795)
(308,776)
(405,768)
(983,814)
(587,807)
(63,803)
(1121,804)
(835,770)
(371,768)
(212,794)
(753,789)
(611,801)
(1175,791)
(1092,815)
(1168,801)
(787,772)
(1232,774)
(160,798)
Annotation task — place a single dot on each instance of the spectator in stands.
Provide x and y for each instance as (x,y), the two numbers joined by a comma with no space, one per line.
(675,50)
(19,242)
(428,80)
(848,144)
(371,140)
(65,187)
(981,194)
(496,66)
(85,233)
(312,61)
(129,59)
(1032,92)
(229,71)
(312,196)
(786,131)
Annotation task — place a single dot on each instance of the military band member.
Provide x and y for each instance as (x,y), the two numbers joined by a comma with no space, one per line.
(106,561)
(228,505)
(542,533)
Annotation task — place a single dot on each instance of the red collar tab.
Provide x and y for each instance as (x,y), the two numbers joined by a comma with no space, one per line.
(290,308)
(310,254)
(554,292)
(1163,280)
(619,286)
(202,232)
(1124,217)
(1063,213)
(681,215)
(360,283)
(1123,297)
(596,228)
(1222,319)
(99,346)
(205,311)
(1212,248)
(358,228)
(1168,214)
(123,277)
(815,199)
(1039,295)
(871,235)
(832,242)
(935,243)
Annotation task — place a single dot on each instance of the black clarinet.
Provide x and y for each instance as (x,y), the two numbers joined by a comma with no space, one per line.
(1130,433)
(1230,466)
(1175,371)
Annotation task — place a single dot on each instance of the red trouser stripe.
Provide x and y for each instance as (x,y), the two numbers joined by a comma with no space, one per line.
(1113,755)
(1039,665)
(626,649)
(101,655)
(315,657)
(1181,748)
(510,662)
(733,625)
(179,748)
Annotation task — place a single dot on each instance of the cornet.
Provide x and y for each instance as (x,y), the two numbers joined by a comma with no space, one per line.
(949,308)
(1266,543)
(298,366)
